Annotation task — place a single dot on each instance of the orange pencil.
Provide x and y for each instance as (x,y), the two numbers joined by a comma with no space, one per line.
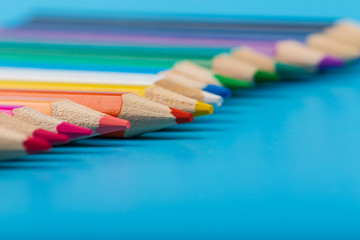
(71,112)
(143,114)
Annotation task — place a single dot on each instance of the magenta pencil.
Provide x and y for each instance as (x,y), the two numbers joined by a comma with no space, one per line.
(46,122)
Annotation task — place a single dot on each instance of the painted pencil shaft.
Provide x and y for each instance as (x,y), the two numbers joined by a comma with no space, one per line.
(71,76)
(200,22)
(143,114)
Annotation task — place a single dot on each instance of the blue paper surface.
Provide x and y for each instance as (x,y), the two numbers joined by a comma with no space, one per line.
(277,162)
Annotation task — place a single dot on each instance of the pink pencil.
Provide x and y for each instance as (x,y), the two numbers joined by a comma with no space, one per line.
(46,122)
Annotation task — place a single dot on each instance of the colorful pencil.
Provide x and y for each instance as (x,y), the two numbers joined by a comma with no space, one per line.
(71,112)
(193,83)
(155,93)
(267,63)
(180,22)
(44,121)
(346,32)
(207,76)
(158,60)
(14,144)
(32,130)
(134,79)
(227,65)
(333,47)
(312,60)
(143,114)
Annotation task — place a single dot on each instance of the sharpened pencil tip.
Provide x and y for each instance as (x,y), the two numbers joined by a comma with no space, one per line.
(202,109)
(73,131)
(181,116)
(35,145)
(51,137)
(110,124)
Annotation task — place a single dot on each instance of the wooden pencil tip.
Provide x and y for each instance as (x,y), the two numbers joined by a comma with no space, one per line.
(202,109)
(73,131)
(182,116)
(110,124)
(35,145)
(51,137)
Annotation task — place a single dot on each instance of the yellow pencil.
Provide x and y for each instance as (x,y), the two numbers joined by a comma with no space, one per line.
(154,93)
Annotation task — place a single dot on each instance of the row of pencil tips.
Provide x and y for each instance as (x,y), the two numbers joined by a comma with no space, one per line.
(45,107)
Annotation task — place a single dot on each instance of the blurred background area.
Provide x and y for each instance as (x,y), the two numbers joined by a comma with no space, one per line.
(15,11)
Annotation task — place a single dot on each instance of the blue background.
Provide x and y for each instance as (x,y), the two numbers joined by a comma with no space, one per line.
(277,162)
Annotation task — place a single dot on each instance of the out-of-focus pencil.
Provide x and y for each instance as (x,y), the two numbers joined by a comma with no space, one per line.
(267,63)
(44,121)
(143,114)
(71,112)
(312,60)
(205,75)
(14,144)
(333,47)
(227,65)
(193,83)
(32,130)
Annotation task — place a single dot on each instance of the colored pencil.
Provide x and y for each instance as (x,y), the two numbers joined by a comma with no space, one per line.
(194,83)
(143,114)
(148,26)
(155,93)
(207,76)
(71,76)
(32,130)
(312,60)
(156,59)
(333,47)
(44,121)
(14,144)
(267,63)
(227,65)
(346,32)
(202,22)
(71,112)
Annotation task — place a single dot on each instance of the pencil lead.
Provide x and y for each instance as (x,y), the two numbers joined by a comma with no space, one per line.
(264,76)
(289,71)
(73,131)
(232,83)
(202,109)
(109,124)
(181,116)
(222,91)
(51,137)
(330,62)
(36,145)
